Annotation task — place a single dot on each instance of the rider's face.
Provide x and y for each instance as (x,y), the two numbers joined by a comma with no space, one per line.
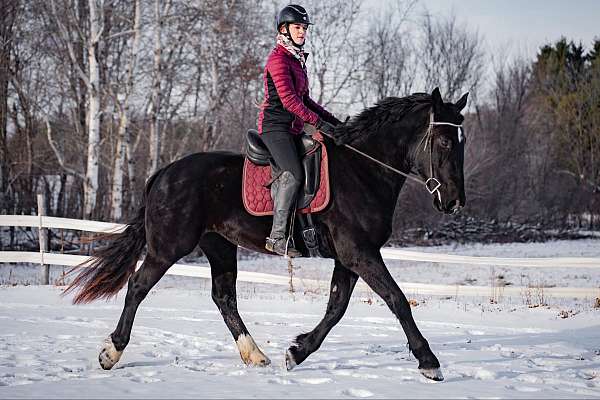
(298,32)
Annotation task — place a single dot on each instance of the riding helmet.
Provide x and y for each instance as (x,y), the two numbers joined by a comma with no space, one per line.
(292,14)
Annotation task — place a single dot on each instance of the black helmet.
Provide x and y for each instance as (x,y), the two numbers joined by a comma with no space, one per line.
(292,14)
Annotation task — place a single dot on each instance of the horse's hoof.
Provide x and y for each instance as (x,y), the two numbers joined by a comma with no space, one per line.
(259,360)
(290,363)
(250,353)
(109,355)
(432,373)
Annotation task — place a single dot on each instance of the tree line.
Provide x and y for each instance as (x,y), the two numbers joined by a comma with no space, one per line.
(95,95)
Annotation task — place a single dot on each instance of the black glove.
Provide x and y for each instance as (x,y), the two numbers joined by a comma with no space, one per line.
(325,127)
(338,133)
(334,121)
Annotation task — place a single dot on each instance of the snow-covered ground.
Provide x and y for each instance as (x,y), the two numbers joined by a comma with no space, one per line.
(180,346)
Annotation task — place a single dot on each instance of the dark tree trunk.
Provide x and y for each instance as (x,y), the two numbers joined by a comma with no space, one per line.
(7,21)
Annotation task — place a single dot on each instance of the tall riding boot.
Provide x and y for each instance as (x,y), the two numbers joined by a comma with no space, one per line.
(283,192)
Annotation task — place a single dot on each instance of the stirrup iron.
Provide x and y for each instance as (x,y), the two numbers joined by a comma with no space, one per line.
(309,235)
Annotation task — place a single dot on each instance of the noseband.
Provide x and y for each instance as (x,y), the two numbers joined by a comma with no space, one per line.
(432,184)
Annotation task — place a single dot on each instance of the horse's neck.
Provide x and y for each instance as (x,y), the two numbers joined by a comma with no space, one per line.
(370,174)
(393,147)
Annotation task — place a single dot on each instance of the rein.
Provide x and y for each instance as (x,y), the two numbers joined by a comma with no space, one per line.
(432,184)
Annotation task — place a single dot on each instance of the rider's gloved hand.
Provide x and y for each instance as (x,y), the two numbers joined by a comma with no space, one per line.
(325,127)
(338,133)
(335,122)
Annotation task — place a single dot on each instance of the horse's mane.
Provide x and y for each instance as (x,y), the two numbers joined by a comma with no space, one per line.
(387,110)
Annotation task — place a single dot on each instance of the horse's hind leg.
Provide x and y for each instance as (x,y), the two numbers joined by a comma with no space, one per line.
(222,256)
(140,283)
(342,285)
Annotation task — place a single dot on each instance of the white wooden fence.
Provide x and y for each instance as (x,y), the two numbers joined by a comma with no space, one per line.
(44,258)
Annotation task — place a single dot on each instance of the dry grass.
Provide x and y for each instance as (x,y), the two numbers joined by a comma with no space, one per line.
(533,296)
(567,313)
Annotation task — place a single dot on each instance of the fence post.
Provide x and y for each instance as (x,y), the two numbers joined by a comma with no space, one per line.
(43,238)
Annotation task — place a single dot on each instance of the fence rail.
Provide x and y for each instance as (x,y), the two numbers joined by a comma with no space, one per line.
(34,221)
(555,262)
(45,258)
(387,253)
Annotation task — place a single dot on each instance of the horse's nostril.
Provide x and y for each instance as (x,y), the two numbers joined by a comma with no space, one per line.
(454,206)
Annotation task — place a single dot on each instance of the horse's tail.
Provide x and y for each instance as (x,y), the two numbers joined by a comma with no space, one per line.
(104,274)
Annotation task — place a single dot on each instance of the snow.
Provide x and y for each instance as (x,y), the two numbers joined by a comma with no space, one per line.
(181,348)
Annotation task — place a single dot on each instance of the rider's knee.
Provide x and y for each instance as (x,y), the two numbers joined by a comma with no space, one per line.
(288,178)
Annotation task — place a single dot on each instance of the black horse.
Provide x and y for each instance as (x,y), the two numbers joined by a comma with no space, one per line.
(197,200)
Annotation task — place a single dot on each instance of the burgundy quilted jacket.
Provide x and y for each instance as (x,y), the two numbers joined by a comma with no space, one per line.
(287,105)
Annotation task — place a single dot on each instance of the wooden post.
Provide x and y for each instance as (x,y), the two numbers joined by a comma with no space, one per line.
(43,238)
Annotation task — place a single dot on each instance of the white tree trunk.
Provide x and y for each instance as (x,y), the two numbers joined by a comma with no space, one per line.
(117,181)
(131,169)
(155,134)
(123,137)
(94,111)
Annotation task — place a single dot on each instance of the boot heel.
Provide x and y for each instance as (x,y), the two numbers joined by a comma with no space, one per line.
(278,246)
(270,244)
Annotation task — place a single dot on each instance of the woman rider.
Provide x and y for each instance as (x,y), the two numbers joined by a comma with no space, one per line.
(287,106)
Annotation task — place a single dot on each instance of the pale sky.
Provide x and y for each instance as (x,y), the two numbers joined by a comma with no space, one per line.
(513,28)
(523,26)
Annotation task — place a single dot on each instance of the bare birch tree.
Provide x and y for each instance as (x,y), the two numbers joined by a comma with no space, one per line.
(92,81)
(96,10)
(160,12)
(122,101)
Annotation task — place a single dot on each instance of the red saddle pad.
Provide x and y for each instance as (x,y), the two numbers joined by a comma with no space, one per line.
(257,197)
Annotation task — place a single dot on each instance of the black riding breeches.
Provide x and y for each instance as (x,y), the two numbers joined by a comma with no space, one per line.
(283,149)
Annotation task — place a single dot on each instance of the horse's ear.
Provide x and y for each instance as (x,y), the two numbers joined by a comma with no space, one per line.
(462,102)
(437,101)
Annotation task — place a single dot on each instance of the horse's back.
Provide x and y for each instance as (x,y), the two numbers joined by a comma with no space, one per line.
(206,162)
(198,168)
(199,180)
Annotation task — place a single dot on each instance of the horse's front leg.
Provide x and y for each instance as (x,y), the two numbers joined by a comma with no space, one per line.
(369,265)
(342,285)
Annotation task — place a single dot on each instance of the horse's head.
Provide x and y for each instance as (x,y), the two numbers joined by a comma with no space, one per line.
(440,154)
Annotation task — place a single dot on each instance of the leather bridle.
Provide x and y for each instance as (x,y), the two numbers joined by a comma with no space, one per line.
(432,184)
